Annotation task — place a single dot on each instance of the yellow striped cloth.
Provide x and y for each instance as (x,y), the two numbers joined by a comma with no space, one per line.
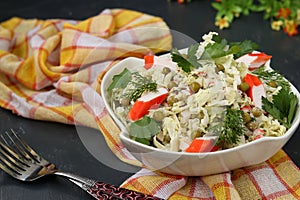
(52,69)
(277,178)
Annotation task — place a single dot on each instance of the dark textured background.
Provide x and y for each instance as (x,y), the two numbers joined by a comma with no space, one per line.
(61,144)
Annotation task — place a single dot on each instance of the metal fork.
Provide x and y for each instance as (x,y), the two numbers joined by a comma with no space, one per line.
(20,161)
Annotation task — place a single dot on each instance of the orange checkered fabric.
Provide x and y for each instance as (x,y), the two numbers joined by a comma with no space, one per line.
(277,178)
(52,69)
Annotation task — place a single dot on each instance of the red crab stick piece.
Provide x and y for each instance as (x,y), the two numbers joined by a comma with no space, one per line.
(149,61)
(202,144)
(256,89)
(150,100)
(159,62)
(246,108)
(258,133)
(254,60)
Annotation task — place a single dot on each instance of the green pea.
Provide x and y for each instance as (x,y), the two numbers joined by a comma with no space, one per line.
(158,115)
(124,101)
(246,117)
(197,133)
(256,112)
(171,100)
(220,67)
(244,86)
(166,70)
(272,84)
(251,126)
(201,115)
(171,84)
(194,86)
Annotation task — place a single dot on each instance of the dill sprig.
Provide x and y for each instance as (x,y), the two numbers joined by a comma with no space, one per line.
(272,75)
(140,85)
(232,127)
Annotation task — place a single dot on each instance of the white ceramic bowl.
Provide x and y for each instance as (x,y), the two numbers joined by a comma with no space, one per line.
(196,164)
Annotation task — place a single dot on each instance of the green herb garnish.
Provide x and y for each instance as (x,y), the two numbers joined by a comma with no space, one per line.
(121,80)
(218,49)
(245,46)
(272,75)
(283,107)
(143,130)
(232,128)
(140,85)
(186,62)
(221,48)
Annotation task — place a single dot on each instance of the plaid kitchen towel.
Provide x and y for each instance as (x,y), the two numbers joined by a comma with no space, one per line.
(277,178)
(52,69)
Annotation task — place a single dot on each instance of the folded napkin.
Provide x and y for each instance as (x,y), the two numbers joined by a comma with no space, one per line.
(52,69)
(277,178)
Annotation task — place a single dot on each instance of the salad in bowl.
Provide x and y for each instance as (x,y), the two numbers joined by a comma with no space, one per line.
(211,98)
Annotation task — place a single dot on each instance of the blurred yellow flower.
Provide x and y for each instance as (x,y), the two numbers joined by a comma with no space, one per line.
(283,14)
(222,22)
(276,25)
(290,27)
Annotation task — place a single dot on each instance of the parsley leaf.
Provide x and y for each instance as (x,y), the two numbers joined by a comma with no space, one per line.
(186,62)
(191,56)
(293,108)
(271,109)
(283,107)
(215,50)
(221,48)
(246,46)
(143,130)
(120,80)
(218,49)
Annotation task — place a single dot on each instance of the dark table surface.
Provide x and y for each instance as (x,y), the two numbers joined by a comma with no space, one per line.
(63,145)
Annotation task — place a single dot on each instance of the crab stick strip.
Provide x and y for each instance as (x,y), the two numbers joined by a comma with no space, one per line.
(149,61)
(246,108)
(159,61)
(149,100)
(202,144)
(258,133)
(256,89)
(254,60)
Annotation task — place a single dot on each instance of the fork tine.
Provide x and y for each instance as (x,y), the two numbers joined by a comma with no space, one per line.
(10,164)
(19,146)
(16,146)
(11,158)
(9,171)
(30,151)
(12,152)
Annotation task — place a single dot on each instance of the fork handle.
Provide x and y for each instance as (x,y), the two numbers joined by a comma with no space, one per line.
(104,191)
